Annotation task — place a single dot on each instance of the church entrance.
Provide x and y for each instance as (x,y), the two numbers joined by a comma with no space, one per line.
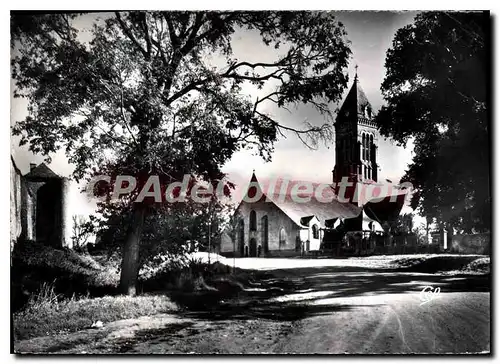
(253,247)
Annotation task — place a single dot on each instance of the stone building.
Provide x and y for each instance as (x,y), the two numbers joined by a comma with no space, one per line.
(274,220)
(282,226)
(39,206)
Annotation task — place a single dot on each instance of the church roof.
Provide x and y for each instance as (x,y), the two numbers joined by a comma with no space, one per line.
(41,172)
(374,192)
(356,99)
(322,210)
(305,220)
(298,203)
(380,201)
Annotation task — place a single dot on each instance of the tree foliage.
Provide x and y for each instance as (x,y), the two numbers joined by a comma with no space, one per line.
(143,83)
(436,92)
(163,93)
(184,228)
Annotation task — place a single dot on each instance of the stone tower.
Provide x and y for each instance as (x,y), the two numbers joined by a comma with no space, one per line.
(45,213)
(356,138)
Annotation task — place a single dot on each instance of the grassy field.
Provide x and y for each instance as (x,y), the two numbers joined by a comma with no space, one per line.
(45,314)
(59,291)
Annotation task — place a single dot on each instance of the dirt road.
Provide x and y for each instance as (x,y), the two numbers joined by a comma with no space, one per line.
(316,309)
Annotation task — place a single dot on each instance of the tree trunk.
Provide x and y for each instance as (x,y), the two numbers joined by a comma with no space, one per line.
(130,254)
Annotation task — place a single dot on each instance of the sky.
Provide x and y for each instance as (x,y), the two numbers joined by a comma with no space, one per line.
(370,34)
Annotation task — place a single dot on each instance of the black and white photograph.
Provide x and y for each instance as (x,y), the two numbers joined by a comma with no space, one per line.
(240,182)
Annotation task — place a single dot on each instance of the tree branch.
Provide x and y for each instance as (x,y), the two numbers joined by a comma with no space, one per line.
(129,34)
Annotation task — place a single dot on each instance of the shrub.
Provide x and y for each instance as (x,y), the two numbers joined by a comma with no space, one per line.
(187,274)
(70,273)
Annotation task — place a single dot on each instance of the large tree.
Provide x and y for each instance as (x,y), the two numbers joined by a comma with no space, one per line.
(436,91)
(162,92)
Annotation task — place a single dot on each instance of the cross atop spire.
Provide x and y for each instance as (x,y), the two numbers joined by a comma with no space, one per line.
(356,75)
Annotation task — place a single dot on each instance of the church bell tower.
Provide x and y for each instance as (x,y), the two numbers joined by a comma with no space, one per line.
(356,137)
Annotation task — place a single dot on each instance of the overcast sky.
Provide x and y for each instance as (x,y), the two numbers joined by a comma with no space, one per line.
(371,34)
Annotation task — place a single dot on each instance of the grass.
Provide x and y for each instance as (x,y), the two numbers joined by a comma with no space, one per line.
(59,290)
(46,314)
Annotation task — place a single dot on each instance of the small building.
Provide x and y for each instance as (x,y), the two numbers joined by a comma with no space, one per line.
(39,206)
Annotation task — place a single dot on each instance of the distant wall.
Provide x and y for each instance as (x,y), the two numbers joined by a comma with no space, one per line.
(471,243)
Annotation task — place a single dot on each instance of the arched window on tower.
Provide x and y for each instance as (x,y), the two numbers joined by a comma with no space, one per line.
(364,146)
(370,148)
(368,136)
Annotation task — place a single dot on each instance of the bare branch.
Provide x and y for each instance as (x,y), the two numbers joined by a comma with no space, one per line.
(313,133)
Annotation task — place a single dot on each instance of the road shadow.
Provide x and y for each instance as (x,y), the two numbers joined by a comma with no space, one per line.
(286,295)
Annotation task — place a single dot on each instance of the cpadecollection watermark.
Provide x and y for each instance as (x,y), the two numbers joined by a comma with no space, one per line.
(296,191)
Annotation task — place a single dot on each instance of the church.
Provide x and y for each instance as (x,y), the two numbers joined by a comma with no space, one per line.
(288,217)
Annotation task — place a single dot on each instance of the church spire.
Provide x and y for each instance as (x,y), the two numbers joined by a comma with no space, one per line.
(356,101)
